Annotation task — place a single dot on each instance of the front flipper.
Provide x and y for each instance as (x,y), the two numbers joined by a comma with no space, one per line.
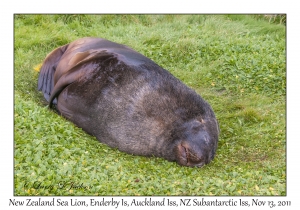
(82,68)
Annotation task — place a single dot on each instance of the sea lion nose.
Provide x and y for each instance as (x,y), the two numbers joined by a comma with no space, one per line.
(189,156)
(196,160)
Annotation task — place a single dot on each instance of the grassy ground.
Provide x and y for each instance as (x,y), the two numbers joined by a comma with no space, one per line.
(236,62)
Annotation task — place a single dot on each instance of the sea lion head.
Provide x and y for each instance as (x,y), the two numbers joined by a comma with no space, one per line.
(197,142)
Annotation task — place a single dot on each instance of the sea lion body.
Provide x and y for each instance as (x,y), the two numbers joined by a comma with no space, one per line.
(128,101)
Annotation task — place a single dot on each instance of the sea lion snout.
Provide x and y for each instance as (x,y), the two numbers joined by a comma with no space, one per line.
(194,153)
(196,146)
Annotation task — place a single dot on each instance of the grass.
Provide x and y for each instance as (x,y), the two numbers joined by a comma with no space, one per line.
(236,62)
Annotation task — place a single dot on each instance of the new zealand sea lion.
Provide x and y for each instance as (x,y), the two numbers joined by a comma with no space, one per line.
(128,101)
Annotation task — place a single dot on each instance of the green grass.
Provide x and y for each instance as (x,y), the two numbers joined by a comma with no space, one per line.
(236,62)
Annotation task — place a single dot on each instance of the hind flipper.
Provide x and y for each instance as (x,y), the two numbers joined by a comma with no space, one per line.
(46,77)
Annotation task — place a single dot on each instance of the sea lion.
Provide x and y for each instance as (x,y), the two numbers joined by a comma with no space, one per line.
(129,102)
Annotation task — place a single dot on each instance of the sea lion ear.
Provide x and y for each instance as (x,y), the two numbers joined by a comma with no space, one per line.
(46,77)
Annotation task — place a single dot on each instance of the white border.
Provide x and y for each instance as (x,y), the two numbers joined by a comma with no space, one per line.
(8,8)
